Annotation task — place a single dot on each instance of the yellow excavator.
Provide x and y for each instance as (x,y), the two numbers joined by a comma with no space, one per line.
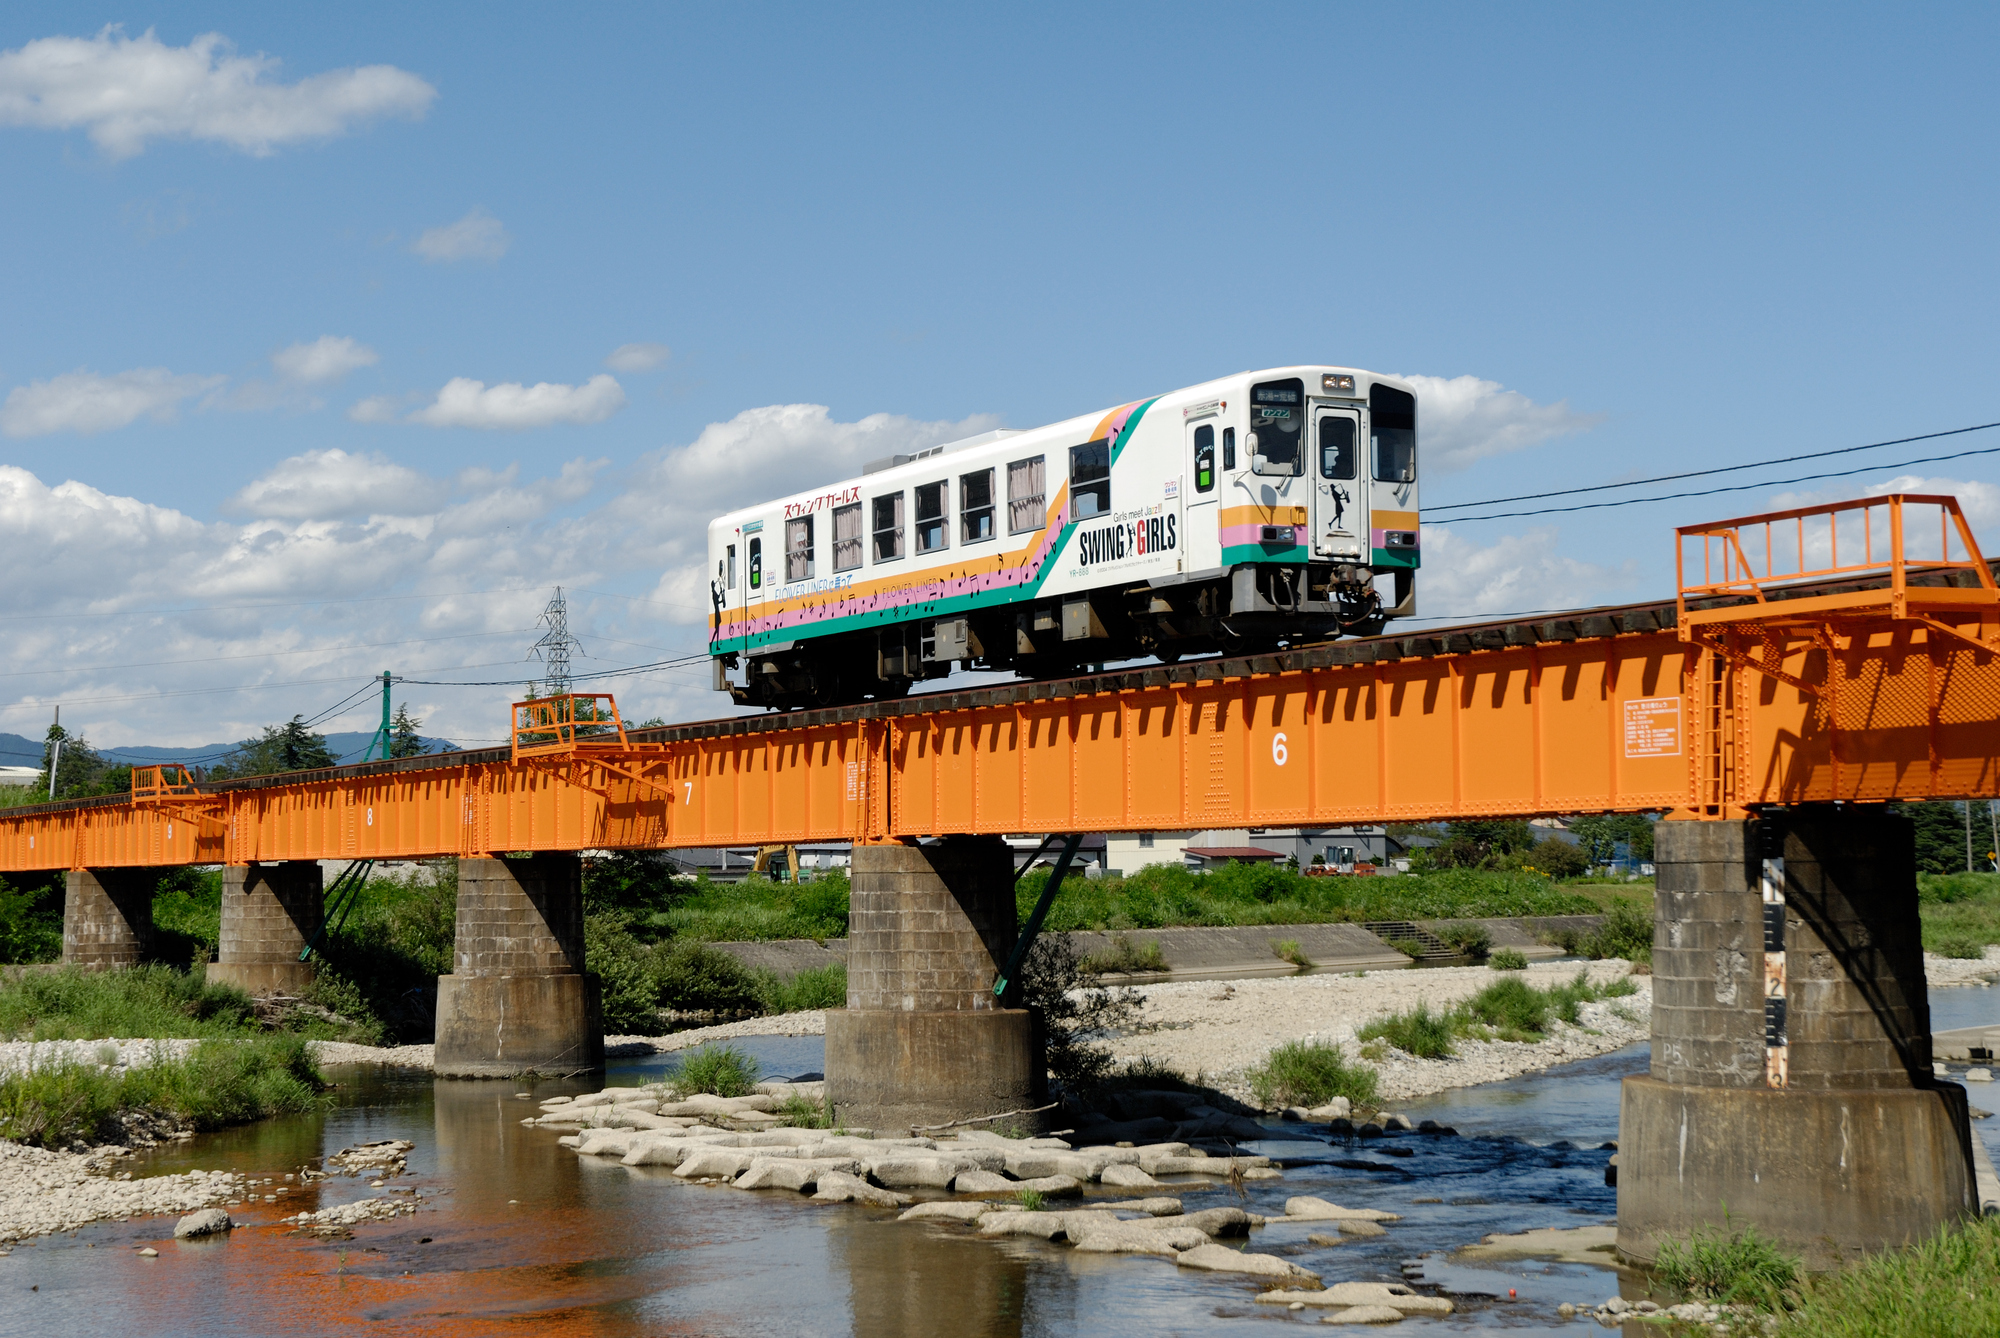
(778,863)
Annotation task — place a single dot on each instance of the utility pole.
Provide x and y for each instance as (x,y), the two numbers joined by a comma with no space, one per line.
(1968,836)
(55,752)
(381,738)
(553,650)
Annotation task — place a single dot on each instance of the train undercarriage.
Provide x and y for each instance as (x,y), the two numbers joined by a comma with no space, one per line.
(1246,610)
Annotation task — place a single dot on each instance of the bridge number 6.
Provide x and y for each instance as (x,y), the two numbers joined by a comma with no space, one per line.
(1278,750)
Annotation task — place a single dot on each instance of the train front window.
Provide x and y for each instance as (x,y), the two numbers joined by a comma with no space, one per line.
(1336,447)
(1393,426)
(1089,480)
(847,537)
(975,506)
(888,527)
(933,531)
(1277,413)
(799,549)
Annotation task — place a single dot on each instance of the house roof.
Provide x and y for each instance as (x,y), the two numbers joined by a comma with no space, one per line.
(1232,852)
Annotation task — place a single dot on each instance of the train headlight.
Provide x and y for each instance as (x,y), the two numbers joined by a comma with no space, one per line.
(1336,383)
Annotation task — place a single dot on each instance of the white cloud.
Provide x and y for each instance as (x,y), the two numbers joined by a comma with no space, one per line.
(126,92)
(376,409)
(465,402)
(638,357)
(477,236)
(1464,580)
(86,402)
(1461,419)
(323,485)
(328,358)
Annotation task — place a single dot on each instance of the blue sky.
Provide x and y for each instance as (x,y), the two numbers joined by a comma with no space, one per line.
(1623,241)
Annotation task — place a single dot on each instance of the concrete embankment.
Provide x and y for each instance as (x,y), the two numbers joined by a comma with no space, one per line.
(1232,952)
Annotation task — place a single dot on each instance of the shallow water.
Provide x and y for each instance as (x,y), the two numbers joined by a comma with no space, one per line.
(519,1235)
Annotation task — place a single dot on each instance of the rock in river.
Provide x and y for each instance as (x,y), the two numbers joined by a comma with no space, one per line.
(1222,1259)
(207,1222)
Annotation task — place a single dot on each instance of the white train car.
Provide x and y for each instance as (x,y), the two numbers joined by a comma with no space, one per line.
(1260,510)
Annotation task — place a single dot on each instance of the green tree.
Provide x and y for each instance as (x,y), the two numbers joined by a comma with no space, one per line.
(80,771)
(403,738)
(1940,834)
(1482,845)
(287,747)
(1600,833)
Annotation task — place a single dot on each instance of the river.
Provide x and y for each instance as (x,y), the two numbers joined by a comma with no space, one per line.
(518,1235)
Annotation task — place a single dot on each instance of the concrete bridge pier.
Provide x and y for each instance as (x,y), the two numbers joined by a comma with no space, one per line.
(1791,1084)
(107,916)
(517,997)
(269,913)
(923,1040)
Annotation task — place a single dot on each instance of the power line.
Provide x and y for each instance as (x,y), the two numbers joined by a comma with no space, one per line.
(261,655)
(1723,469)
(1711,492)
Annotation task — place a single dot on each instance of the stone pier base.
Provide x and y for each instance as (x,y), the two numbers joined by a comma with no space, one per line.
(517,998)
(269,913)
(107,916)
(1856,1147)
(923,1040)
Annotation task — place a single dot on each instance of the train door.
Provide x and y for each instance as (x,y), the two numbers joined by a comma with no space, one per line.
(1340,497)
(1201,532)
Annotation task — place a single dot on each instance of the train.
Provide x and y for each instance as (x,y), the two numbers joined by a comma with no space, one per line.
(1263,510)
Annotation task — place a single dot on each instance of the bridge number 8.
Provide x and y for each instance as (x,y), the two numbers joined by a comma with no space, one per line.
(1278,750)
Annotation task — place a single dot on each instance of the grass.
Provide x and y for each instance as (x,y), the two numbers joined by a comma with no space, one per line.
(1125,956)
(1409,947)
(1031,1199)
(719,1070)
(1288,950)
(161,1002)
(1960,912)
(1509,1009)
(804,1113)
(1939,1288)
(816,987)
(1627,932)
(1738,1267)
(1472,940)
(756,908)
(1311,1073)
(222,1082)
(1508,959)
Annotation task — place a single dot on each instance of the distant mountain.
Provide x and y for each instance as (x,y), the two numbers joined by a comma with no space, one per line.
(19,751)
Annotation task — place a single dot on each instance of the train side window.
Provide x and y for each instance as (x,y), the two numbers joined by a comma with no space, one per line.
(847,537)
(1089,480)
(799,549)
(1336,447)
(1392,418)
(889,527)
(730,584)
(1204,458)
(933,532)
(975,506)
(1027,494)
(1228,448)
(756,564)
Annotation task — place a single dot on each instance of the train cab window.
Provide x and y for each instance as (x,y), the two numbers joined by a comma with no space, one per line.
(1277,413)
(756,564)
(1393,426)
(1089,480)
(1204,458)
(933,531)
(975,506)
(889,527)
(1336,447)
(730,584)
(1027,494)
(847,537)
(799,548)
(1228,448)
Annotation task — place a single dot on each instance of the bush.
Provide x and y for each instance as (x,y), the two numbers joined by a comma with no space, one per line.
(1471,940)
(695,978)
(627,976)
(1288,950)
(1310,1073)
(1419,1032)
(1741,1266)
(78,1004)
(1627,932)
(1937,1287)
(222,1082)
(31,919)
(1409,947)
(1126,957)
(1507,959)
(1559,858)
(816,987)
(1512,1007)
(1074,1009)
(720,1070)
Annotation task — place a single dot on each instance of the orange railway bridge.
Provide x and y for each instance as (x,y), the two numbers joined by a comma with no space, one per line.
(1813,665)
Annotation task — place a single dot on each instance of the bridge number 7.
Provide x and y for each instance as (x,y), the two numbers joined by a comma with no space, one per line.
(690,793)
(1278,750)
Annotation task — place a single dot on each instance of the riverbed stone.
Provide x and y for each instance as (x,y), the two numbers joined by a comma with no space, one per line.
(1365,1314)
(840,1187)
(1124,1238)
(1223,1259)
(916,1172)
(946,1210)
(725,1162)
(1127,1177)
(1213,1221)
(1340,1294)
(1361,1230)
(1052,1186)
(1157,1207)
(1203,1165)
(206,1222)
(982,1182)
(1337,1109)
(799,1173)
(1307,1208)
(1044,1226)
